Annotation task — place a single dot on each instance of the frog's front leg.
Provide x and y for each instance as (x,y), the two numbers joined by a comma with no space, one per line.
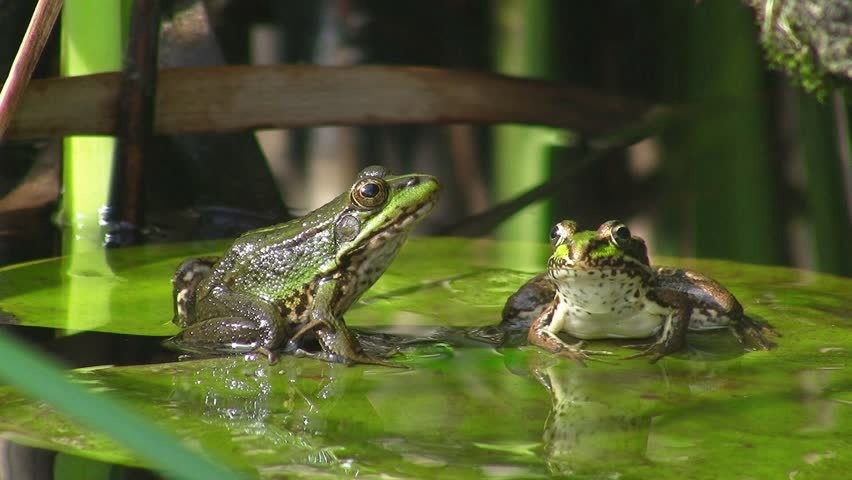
(337,341)
(525,305)
(544,333)
(672,336)
(233,323)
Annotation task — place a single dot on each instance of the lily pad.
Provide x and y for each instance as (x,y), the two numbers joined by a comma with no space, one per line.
(717,411)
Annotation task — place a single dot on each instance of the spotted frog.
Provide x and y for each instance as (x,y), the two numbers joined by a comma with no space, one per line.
(600,284)
(278,286)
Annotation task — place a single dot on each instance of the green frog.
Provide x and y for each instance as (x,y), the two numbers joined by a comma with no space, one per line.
(277,286)
(600,284)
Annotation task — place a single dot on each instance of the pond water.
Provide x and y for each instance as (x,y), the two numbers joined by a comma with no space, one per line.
(715,411)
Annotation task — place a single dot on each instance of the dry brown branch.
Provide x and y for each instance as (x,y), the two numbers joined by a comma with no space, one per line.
(219,99)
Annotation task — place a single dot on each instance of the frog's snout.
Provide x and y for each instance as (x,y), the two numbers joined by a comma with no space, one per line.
(413,182)
(419,179)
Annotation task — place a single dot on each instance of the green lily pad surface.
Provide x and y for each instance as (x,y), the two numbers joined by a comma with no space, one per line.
(716,411)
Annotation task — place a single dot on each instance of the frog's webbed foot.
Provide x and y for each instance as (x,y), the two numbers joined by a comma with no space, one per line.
(751,331)
(339,345)
(577,353)
(345,359)
(271,356)
(321,355)
(541,335)
(655,351)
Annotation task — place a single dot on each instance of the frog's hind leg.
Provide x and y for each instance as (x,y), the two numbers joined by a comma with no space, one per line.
(752,331)
(217,336)
(237,324)
(184,282)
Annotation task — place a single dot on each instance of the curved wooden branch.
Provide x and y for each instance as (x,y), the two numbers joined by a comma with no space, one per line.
(219,99)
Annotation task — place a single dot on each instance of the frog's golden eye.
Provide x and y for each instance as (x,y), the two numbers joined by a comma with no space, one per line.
(620,234)
(370,193)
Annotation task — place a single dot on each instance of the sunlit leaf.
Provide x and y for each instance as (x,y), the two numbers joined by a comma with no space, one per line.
(467,411)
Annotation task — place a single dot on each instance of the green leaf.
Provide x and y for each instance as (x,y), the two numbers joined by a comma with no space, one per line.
(473,411)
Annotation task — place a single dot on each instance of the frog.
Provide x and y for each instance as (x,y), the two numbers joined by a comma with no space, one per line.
(600,284)
(279,288)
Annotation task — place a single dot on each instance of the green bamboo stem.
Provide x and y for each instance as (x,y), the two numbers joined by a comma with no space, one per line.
(723,202)
(734,193)
(91,42)
(523,47)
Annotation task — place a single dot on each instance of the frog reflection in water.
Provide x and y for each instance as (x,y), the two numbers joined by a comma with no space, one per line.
(276,286)
(599,284)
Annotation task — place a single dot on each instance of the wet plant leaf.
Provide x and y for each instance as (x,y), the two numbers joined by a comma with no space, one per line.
(715,411)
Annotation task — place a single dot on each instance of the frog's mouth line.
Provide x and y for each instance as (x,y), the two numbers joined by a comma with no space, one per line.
(599,272)
(409,217)
(406,219)
(621,263)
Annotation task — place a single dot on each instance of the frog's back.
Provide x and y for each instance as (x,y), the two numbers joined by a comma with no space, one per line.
(278,261)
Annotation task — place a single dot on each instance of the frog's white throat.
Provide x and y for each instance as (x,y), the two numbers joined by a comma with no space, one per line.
(604,303)
(599,291)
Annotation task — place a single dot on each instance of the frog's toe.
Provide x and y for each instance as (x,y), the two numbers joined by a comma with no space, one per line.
(577,356)
(653,350)
(654,353)
(383,362)
(271,356)
(346,359)
(360,357)
(579,346)
(577,353)
(639,346)
(322,355)
(751,331)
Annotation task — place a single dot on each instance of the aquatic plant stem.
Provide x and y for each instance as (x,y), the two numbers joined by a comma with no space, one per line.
(29,52)
(523,47)
(87,164)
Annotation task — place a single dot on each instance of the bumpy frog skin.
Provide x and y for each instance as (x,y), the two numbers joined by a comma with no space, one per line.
(277,286)
(600,285)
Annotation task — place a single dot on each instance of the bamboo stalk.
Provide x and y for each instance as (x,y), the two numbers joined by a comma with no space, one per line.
(521,154)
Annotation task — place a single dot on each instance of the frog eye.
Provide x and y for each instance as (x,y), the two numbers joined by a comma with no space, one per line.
(620,234)
(561,231)
(370,192)
(555,233)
